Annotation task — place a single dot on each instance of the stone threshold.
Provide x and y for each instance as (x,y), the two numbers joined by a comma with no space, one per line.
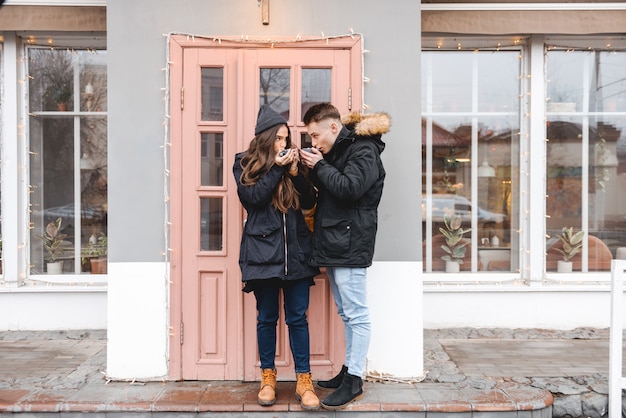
(228,398)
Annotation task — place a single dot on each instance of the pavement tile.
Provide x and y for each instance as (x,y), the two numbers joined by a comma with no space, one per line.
(227,396)
(444,399)
(11,397)
(184,397)
(136,397)
(488,400)
(45,400)
(64,378)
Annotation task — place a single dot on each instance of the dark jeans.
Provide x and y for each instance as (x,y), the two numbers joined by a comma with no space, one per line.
(296,301)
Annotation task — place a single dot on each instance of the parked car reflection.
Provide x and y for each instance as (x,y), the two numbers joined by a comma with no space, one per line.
(452,203)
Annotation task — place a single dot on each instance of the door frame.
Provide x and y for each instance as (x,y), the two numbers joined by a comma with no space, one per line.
(177,44)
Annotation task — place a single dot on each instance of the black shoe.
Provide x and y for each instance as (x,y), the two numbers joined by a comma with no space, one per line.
(335,382)
(351,389)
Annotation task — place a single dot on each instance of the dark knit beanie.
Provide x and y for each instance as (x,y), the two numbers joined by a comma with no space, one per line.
(267,118)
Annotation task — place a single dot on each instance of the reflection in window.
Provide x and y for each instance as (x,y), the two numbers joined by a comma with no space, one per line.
(211,217)
(212,160)
(274,85)
(68,163)
(212,94)
(470,130)
(315,87)
(586,161)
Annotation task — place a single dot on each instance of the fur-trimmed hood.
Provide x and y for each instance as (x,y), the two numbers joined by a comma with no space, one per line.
(367,124)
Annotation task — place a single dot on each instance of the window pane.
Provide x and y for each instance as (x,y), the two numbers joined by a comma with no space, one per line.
(450,82)
(274,84)
(315,87)
(68,160)
(586,158)
(211,224)
(94,193)
(52,189)
(51,84)
(498,82)
(93,81)
(486,139)
(212,91)
(212,163)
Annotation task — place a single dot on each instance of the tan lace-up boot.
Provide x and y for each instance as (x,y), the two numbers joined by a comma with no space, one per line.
(305,393)
(267,394)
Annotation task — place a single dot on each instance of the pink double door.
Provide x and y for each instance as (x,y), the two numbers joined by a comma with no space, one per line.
(216,89)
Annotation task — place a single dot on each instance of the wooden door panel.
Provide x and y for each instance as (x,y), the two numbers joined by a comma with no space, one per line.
(211,299)
(327,345)
(219,100)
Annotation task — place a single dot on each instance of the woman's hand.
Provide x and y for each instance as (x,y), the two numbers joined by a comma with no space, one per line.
(283,157)
(290,158)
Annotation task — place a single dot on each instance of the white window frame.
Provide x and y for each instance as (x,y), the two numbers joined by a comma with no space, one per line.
(481,277)
(15,172)
(14,206)
(532,187)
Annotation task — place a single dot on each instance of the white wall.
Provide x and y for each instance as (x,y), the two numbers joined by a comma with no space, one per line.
(56,307)
(564,307)
(138,321)
(394,291)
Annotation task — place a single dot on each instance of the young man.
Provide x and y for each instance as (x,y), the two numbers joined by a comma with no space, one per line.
(347,170)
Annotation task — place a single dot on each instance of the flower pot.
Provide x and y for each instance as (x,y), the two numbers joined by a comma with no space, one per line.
(452,267)
(55,268)
(564,266)
(98,266)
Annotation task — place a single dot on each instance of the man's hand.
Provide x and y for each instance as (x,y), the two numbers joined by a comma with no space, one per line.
(311,158)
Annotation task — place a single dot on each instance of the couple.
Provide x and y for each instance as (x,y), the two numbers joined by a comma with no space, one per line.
(342,177)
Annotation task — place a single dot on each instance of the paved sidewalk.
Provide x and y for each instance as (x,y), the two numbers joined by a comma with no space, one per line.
(470,372)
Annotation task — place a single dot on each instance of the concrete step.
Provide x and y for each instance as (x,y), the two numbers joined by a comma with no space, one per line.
(238,399)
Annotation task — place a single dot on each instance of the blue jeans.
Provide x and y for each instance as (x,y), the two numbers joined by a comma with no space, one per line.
(349,287)
(296,301)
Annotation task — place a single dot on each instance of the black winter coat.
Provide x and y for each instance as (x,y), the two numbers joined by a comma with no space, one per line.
(274,245)
(350,184)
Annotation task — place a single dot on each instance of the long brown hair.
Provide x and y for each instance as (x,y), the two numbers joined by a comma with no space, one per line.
(259,159)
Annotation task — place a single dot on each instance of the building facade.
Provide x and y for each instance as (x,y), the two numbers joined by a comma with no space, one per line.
(120,122)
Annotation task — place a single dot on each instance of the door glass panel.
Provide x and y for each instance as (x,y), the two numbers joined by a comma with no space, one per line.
(305,140)
(211,215)
(315,87)
(212,162)
(212,94)
(274,85)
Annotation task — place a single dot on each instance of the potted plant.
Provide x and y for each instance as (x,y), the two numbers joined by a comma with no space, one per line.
(52,240)
(96,252)
(572,243)
(455,246)
(61,93)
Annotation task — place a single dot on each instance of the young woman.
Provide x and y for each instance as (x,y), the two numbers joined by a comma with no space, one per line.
(275,247)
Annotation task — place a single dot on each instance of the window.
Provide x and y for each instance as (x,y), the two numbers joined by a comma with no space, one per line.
(470,157)
(586,158)
(67,134)
(518,159)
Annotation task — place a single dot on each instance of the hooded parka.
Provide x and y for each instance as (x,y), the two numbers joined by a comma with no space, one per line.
(350,184)
(274,245)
